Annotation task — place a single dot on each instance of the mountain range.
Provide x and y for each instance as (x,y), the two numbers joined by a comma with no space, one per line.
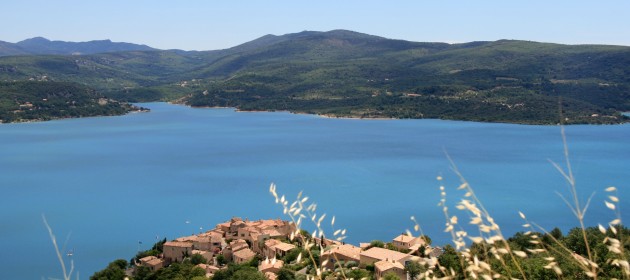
(348,74)
(43,46)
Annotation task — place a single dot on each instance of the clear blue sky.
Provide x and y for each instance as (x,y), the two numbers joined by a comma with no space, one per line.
(207,25)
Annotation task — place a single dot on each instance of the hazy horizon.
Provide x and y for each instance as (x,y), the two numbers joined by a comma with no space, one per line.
(201,25)
(142,43)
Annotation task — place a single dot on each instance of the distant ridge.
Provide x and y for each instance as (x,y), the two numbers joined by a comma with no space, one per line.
(43,46)
(344,73)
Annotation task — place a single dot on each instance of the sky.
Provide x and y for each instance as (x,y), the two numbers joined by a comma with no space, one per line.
(210,25)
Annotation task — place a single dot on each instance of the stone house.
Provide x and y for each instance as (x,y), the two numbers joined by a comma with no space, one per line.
(375,254)
(243,256)
(387,266)
(152,262)
(405,242)
(210,269)
(343,253)
(275,248)
(270,265)
(175,251)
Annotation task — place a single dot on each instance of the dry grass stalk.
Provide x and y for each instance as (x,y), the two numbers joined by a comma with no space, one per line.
(493,244)
(67,275)
(298,211)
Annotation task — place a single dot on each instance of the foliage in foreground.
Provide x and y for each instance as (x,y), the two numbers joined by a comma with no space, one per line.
(483,252)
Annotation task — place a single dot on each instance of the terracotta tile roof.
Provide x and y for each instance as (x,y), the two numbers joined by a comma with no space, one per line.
(267,264)
(237,241)
(238,244)
(217,231)
(285,247)
(245,254)
(191,238)
(383,254)
(387,265)
(216,237)
(237,223)
(178,244)
(200,252)
(272,232)
(271,242)
(146,259)
(326,241)
(155,262)
(346,250)
(404,238)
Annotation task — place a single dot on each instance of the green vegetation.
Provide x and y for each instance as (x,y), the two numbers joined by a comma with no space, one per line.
(114,271)
(534,264)
(236,271)
(156,250)
(36,101)
(181,271)
(197,259)
(348,74)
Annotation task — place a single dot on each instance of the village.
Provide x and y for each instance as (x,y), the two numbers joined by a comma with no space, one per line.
(241,241)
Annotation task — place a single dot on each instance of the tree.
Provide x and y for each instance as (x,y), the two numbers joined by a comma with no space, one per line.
(293,254)
(221,259)
(254,261)
(358,274)
(285,274)
(450,260)
(426,239)
(178,271)
(351,264)
(114,271)
(556,233)
(413,269)
(376,243)
(141,273)
(305,234)
(390,276)
(248,274)
(197,259)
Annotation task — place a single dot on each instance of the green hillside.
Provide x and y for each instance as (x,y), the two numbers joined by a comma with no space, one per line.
(349,74)
(37,101)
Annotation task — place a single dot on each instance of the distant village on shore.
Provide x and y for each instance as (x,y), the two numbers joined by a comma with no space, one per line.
(240,241)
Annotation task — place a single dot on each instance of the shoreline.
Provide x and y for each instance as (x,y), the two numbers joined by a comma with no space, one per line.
(331,116)
(136,110)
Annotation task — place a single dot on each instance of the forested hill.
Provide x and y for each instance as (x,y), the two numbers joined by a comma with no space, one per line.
(349,74)
(39,100)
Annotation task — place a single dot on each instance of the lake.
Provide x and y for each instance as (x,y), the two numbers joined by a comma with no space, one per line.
(110,186)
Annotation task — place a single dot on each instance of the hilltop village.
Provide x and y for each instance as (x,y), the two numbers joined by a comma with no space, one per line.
(268,242)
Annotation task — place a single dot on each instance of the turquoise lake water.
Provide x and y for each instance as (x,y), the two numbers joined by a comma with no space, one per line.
(106,184)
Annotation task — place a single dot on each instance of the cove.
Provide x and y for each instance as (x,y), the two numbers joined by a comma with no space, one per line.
(111,185)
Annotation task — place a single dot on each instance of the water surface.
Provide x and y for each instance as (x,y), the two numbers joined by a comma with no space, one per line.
(107,184)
